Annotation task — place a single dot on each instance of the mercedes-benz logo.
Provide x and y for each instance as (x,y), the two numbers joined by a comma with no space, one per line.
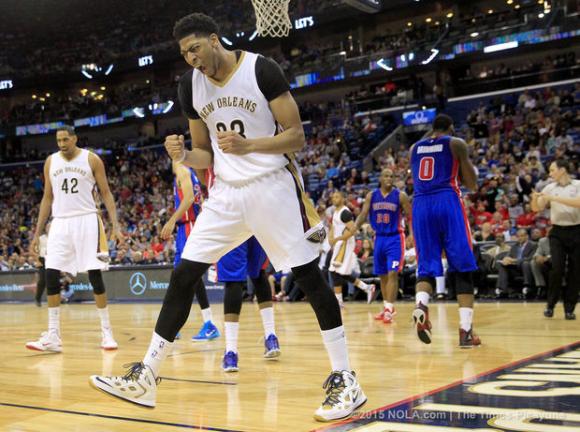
(138,283)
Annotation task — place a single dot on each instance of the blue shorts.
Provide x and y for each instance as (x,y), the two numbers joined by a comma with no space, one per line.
(389,253)
(440,223)
(245,260)
(183,231)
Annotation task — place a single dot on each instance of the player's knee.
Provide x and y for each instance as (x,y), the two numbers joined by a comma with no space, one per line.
(187,272)
(233,298)
(464,283)
(309,277)
(426,279)
(52,282)
(263,292)
(96,280)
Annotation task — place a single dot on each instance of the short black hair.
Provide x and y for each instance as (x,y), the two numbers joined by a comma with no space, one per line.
(563,163)
(442,123)
(68,129)
(195,23)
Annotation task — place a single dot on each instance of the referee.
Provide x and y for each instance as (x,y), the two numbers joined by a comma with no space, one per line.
(563,198)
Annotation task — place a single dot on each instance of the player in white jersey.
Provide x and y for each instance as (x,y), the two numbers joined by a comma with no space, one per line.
(235,102)
(344,260)
(76,240)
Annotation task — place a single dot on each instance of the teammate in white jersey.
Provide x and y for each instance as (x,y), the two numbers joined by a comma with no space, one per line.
(235,102)
(76,240)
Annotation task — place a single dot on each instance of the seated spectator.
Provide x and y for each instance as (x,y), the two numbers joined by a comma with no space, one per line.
(516,263)
(541,265)
(527,219)
(485,234)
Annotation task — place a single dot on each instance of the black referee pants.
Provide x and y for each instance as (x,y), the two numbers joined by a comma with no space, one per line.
(564,245)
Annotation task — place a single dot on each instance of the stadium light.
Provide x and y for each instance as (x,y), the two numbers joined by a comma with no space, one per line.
(227,41)
(500,47)
(434,53)
(109,69)
(474,34)
(168,107)
(253,35)
(381,63)
(139,112)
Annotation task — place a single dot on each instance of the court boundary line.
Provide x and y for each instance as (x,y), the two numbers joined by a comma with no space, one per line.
(112,417)
(445,387)
(228,383)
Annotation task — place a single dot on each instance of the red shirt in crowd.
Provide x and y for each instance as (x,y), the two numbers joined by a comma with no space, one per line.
(526,220)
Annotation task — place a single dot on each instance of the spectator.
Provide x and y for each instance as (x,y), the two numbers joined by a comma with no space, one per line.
(517,263)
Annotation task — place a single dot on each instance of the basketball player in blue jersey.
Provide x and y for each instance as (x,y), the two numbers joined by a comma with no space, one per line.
(440,224)
(245,122)
(247,260)
(385,205)
(188,199)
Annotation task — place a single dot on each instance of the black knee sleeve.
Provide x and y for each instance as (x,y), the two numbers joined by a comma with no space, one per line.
(178,299)
(320,295)
(464,283)
(429,279)
(201,294)
(52,282)
(263,293)
(337,279)
(233,298)
(96,280)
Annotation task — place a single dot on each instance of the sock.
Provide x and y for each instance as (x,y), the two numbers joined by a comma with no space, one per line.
(465,318)
(360,284)
(104,316)
(440,282)
(339,297)
(206,314)
(268,321)
(158,350)
(335,343)
(389,306)
(232,329)
(422,297)
(54,320)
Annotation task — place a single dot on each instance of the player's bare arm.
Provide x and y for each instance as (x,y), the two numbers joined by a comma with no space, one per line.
(45,208)
(102,183)
(200,157)
(467,170)
(407,209)
(364,213)
(184,183)
(286,113)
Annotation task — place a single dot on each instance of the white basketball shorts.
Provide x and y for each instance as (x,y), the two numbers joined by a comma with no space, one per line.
(76,243)
(343,258)
(274,208)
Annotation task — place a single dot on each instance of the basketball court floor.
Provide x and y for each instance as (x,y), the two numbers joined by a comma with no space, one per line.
(525,376)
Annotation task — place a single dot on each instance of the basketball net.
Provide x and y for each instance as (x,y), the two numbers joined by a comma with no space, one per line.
(272,17)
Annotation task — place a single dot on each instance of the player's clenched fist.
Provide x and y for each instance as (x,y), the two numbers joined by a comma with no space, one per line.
(175,146)
(232,142)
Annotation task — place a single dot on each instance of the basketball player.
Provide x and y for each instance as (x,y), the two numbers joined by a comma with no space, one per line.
(235,101)
(440,223)
(341,239)
(188,199)
(384,205)
(247,260)
(76,240)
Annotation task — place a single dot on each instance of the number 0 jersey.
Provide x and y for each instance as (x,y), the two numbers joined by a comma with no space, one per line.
(239,104)
(434,167)
(72,185)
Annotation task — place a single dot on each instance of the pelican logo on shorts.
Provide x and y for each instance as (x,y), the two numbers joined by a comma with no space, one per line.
(138,283)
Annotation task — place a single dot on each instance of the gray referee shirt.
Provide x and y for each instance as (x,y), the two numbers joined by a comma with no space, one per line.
(561,214)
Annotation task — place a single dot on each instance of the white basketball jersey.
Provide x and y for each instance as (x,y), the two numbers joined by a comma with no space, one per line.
(72,185)
(339,226)
(237,105)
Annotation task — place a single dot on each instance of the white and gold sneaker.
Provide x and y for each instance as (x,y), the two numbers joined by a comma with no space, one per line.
(49,341)
(108,342)
(343,396)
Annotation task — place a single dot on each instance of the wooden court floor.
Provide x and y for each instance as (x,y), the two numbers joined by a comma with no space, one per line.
(50,392)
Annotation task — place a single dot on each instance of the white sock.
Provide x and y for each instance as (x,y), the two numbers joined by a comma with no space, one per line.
(389,306)
(268,321)
(422,297)
(360,284)
(465,318)
(104,316)
(335,343)
(206,315)
(158,350)
(54,320)
(339,297)
(440,281)
(232,329)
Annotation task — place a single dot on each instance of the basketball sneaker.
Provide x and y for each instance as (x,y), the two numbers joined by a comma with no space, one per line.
(371,293)
(138,385)
(388,315)
(380,316)
(422,323)
(272,351)
(343,396)
(48,342)
(230,362)
(208,332)
(108,342)
(468,339)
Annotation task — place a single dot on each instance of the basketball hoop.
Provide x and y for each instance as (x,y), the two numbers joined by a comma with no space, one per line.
(272,17)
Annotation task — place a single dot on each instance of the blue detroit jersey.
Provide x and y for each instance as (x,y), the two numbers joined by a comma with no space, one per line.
(385,212)
(191,213)
(434,167)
